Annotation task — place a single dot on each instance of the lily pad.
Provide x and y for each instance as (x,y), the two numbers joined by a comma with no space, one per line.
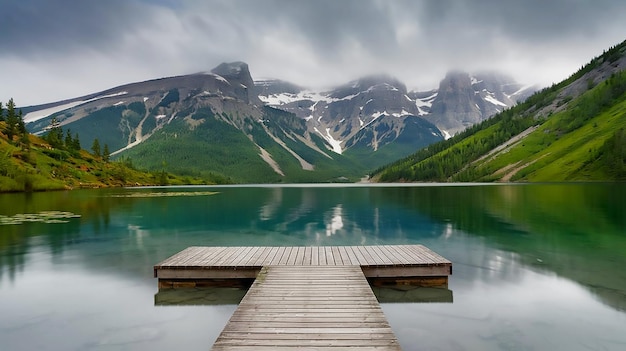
(41,217)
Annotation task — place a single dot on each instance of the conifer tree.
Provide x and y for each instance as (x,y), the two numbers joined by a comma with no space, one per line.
(106,155)
(95,147)
(25,140)
(12,120)
(1,112)
(55,135)
(69,142)
(21,126)
(76,143)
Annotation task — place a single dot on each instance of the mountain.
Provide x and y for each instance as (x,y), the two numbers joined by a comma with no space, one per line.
(206,124)
(223,124)
(371,119)
(463,100)
(574,130)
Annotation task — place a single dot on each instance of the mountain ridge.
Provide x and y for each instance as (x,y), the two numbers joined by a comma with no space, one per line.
(324,136)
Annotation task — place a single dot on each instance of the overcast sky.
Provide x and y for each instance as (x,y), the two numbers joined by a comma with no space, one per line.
(58,49)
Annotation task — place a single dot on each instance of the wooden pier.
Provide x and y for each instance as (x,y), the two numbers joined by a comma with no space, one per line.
(315,298)
(295,307)
(197,265)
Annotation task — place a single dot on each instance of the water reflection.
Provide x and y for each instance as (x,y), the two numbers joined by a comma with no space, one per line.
(535,266)
(533,312)
(575,231)
(232,296)
(335,223)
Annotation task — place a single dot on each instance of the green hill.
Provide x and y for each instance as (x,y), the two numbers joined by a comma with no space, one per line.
(30,163)
(571,131)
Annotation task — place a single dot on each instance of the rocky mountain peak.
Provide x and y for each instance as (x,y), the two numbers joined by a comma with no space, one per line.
(235,69)
(238,75)
(455,80)
(368,84)
(465,99)
(381,80)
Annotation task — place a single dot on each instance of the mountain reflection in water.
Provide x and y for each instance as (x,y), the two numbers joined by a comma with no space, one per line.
(535,266)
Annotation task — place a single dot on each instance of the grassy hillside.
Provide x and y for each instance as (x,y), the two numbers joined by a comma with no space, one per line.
(37,166)
(569,146)
(556,135)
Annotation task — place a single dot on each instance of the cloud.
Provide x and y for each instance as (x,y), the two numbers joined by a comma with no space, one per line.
(63,48)
(36,27)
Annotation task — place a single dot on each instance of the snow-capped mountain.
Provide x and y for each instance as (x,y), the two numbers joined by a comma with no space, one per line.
(222,121)
(205,122)
(371,112)
(461,101)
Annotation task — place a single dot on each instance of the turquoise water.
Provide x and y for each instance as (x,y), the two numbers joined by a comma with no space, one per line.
(535,266)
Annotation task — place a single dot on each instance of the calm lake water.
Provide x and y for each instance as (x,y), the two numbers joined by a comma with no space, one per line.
(536,267)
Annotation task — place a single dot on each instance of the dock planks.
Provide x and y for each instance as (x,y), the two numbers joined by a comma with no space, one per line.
(245,262)
(314,297)
(296,307)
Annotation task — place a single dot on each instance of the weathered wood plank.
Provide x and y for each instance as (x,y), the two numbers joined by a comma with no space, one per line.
(191,255)
(299,257)
(307,256)
(299,348)
(221,256)
(335,336)
(315,258)
(254,255)
(319,318)
(330,259)
(275,253)
(367,256)
(394,255)
(276,259)
(295,307)
(241,257)
(304,340)
(193,262)
(285,258)
(322,256)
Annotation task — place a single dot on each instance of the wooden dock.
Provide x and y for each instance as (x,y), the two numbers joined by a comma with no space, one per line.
(312,298)
(400,263)
(296,307)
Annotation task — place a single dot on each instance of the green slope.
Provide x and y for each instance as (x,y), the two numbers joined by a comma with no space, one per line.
(38,166)
(581,139)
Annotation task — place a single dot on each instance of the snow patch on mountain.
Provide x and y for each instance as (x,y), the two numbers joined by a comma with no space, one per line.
(403,113)
(491,99)
(383,86)
(287,98)
(424,104)
(520,90)
(217,76)
(336,144)
(39,114)
(475,80)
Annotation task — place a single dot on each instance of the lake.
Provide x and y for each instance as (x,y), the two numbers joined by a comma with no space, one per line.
(535,266)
